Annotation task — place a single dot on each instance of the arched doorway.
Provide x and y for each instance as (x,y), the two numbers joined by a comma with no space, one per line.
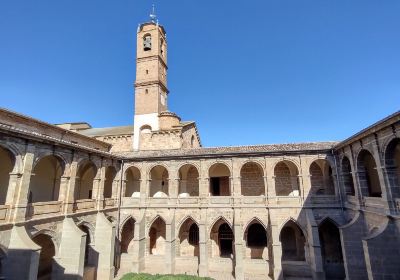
(321,178)
(225,240)
(256,241)
(157,235)
(126,245)
(392,166)
(46,179)
(159,185)
(331,248)
(219,175)
(347,177)
(46,258)
(91,257)
(85,177)
(188,181)
(368,175)
(132,182)
(7,161)
(286,179)
(187,259)
(252,179)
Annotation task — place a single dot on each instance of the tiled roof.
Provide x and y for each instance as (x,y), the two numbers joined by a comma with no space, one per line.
(272,148)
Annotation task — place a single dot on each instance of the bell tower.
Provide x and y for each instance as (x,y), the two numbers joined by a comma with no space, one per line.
(151,77)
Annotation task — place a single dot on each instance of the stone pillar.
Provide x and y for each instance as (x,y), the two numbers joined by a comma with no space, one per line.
(276,250)
(13,184)
(22,260)
(385,187)
(104,245)
(71,255)
(170,250)
(271,187)
(139,244)
(236,186)
(21,191)
(238,234)
(317,269)
(203,239)
(266,187)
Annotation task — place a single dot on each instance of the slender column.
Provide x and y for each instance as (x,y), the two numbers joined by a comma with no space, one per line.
(237,186)
(170,251)
(237,230)
(13,184)
(271,186)
(203,257)
(139,244)
(314,247)
(266,187)
(277,251)
(98,188)
(21,192)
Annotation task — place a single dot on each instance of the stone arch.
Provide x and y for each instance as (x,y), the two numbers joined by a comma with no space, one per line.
(47,253)
(132,178)
(188,180)
(219,174)
(286,179)
(111,173)
(331,249)
(188,237)
(187,217)
(256,239)
(347,177)
(7,165)
(392,166)
(293,241)
(127,234)
(86,174)
(46,179)
(368,174)
(157,236)
(221,237)
(321,177)
(252,179)
(159,181)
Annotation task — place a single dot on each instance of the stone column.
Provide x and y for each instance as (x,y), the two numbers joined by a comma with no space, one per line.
(139,244)
(104,245)
(203,239)
(71,255)
(98,188)
(22,260)
(21,190)
(170,251)
(13,184)
(236,186)
(317,269)
(266,187)
(238,234)
(276,250)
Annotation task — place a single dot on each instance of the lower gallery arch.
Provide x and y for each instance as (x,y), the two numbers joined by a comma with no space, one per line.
(155,260)
(293,244)
(126,245)
(90,263)
(286,179)
(392,165)
(331,248)
(7,161)
(368,175)
(46,258)
(187,249)
(46,179)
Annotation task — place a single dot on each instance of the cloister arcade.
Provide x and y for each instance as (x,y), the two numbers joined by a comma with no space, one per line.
(157,235)
(132,187)
(159,182)
(188,181)
(46,258)
(85,179)
(252,179)
(286,179)
(321,178)
(220,184)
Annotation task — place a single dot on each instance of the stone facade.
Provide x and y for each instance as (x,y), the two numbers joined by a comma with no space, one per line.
(77,204)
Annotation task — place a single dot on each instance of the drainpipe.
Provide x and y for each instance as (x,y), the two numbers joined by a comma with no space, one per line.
(338,181)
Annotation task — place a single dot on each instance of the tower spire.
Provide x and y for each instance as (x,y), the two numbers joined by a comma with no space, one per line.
(153,15)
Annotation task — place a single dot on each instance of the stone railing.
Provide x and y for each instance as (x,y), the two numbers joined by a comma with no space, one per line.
(109,202)
(84,204)
(44,208)
(4,209)
(286,200)
(324,199)
(130,201)
(375,202)
(351,199)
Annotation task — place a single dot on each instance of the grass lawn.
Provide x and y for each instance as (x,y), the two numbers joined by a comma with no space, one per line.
(143,276)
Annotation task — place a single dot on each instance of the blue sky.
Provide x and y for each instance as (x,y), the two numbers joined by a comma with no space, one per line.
(249,72)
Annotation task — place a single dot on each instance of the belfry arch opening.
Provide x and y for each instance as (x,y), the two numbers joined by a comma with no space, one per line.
(132,188)
(159,182)
(321,178)
(219,175)
(85,178)
(286,179)
(368,175)
(188,181)
(347,177)
(252,179)
(189,239)
(111,173)
(157,235)
(46,180)
(7,162)
(256,241)
(46,257)
(331,250)
(293,242)
(392,165)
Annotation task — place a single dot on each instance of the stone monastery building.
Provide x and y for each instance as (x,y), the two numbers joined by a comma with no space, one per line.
(78,202)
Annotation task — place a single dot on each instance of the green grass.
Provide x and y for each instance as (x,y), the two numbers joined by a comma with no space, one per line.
(144,276)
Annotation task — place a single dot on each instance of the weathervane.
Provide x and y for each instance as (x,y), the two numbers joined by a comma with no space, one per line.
(153,15)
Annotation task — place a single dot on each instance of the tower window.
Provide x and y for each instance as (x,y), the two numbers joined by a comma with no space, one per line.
(146,91)
(147,71)
(147,42)
(162,47)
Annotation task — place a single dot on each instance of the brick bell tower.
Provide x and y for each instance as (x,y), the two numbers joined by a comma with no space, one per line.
(151,90)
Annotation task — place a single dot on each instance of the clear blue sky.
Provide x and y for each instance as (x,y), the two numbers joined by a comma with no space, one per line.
(249,72)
